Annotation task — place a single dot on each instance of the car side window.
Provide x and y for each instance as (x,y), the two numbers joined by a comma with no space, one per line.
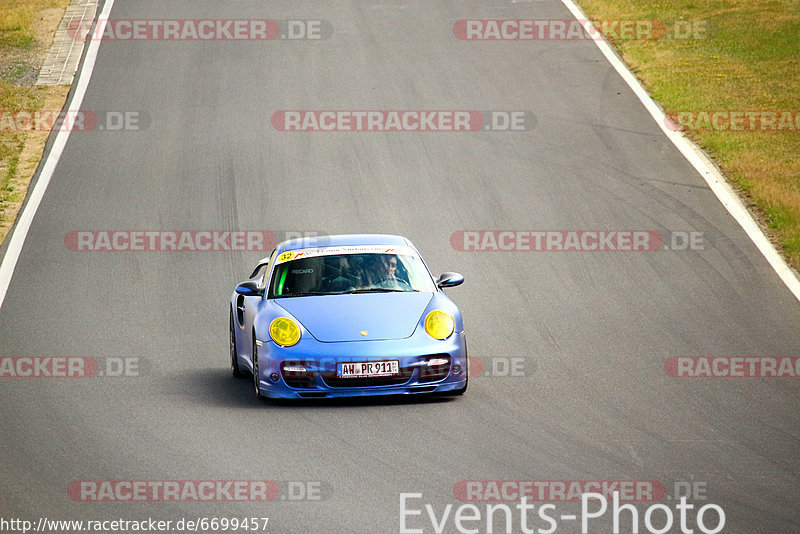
(263,282)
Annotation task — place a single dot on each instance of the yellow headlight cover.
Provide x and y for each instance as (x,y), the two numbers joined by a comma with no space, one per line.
(284,331)
(439,324)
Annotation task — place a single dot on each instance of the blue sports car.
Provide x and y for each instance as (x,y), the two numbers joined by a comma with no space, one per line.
(347,315)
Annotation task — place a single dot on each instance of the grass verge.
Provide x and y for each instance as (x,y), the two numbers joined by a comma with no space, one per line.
(728,55)
(27,28)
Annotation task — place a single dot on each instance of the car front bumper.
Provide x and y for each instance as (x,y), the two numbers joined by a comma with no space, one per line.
(308,369)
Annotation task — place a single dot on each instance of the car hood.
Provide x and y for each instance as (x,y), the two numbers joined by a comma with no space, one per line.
(336,318)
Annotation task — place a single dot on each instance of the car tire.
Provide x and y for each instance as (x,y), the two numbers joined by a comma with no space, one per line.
(235,369)
(256,379)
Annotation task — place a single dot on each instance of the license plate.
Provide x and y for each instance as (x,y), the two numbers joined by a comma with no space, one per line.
(367,369)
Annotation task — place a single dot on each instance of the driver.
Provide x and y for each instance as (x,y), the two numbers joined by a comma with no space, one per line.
(386,275)
(389,267)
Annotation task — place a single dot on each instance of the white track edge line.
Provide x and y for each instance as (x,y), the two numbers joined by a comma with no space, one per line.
(25,219)
(697,158)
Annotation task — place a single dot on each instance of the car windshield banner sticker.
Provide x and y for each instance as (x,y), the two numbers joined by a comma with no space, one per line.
(290,255)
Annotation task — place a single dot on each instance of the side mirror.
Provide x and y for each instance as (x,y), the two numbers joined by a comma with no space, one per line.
(249,289)
(259,267)
(450,280)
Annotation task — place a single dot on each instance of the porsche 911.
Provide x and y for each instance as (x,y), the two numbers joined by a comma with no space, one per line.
(344,316)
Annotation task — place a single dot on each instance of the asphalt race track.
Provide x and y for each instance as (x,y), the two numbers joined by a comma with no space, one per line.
(587,334)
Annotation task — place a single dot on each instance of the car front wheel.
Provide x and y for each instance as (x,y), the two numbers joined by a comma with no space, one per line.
(256,379)
(235,369)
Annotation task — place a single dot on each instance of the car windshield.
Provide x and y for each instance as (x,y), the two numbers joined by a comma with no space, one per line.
(349,273)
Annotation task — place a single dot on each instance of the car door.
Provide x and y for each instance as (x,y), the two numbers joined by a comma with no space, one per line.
(248,306)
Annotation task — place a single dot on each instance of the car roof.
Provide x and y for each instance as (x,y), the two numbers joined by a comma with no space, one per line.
(343,240)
